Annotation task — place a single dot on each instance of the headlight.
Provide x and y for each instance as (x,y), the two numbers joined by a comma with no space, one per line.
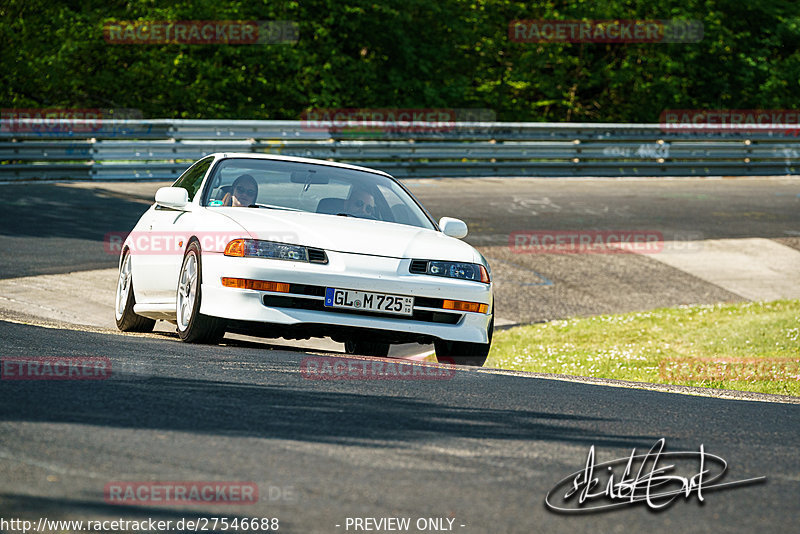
(253,248)
(451,269)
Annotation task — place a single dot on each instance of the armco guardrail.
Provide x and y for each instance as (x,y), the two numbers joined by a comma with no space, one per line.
(162,149)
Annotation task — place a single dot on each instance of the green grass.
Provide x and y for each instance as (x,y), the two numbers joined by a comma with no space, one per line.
(641,346)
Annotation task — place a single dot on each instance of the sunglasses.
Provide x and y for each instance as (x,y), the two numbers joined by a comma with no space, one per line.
(368,208)
(247,192)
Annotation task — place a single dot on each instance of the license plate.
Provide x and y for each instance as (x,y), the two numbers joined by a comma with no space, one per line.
(364,301)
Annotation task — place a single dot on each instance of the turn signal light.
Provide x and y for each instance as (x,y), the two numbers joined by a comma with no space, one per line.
(460,305)
(258,285)
(235,248)
(484,275)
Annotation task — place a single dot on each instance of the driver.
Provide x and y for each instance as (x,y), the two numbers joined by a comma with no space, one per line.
(243,192)
(360,203)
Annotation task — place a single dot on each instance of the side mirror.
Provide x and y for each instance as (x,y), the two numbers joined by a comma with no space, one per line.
(453,227)
(172,197)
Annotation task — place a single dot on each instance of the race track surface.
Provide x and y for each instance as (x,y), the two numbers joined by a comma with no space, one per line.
(481,448)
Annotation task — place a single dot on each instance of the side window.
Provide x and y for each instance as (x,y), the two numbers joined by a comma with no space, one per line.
(193,178)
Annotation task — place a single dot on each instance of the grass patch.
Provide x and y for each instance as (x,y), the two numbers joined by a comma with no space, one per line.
(728,346)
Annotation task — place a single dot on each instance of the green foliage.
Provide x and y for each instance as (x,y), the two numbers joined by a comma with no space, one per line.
(401,53)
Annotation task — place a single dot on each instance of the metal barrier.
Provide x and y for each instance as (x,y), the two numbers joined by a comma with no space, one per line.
(162,149)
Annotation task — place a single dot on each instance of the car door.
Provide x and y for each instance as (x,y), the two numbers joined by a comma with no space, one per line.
(157,266)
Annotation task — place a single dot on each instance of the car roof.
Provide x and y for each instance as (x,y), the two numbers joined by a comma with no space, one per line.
(250,155)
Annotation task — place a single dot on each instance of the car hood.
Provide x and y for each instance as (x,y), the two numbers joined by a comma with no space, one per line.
(350,234)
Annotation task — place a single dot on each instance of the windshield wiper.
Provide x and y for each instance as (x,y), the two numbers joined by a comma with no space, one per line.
(270,206)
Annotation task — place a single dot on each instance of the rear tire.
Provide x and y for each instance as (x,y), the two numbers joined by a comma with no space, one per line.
(366,348)
(127,320)
(193,326)
(463,353)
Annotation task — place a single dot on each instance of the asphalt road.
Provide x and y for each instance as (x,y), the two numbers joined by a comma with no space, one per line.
(49,228)
(482,449)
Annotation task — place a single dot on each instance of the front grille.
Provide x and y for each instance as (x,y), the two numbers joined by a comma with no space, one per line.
(317,255)
(427,302)
(280,301)
(418,267)
(303,289)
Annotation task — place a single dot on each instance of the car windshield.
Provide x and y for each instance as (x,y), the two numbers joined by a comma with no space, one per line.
(294,186)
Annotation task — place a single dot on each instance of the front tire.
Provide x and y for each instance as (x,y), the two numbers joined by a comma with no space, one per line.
(463,353)
(127,320)
(193,326)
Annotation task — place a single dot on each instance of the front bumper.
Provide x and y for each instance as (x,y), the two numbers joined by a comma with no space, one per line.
(303,305)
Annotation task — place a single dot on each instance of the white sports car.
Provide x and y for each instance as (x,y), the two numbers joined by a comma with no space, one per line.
(290,247)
